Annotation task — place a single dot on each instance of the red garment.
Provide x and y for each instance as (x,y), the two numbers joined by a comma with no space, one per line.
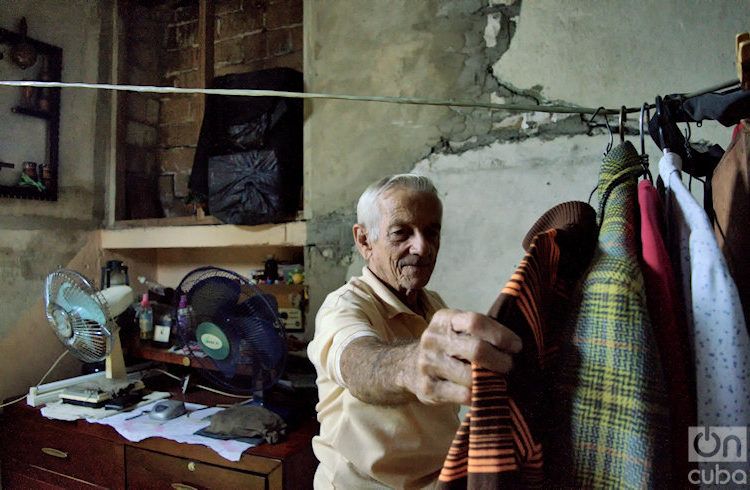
(668,319)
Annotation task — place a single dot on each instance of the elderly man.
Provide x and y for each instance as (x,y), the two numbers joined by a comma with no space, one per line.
(393,363)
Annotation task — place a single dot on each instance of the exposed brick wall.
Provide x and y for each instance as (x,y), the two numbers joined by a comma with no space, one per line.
(249,35)
(141,118)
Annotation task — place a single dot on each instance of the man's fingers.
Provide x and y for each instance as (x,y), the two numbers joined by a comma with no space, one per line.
(484,354)
(450,369)
(442,391)
(485,328)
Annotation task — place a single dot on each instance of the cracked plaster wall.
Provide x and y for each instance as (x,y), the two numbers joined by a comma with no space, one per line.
(496,171)
(38,236)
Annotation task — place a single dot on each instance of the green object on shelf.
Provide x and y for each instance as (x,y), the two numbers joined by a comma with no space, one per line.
(26,181)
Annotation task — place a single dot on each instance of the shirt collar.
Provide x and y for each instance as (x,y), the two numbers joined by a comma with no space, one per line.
(392,303)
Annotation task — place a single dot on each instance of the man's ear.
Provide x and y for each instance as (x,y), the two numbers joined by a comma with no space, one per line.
(362,241)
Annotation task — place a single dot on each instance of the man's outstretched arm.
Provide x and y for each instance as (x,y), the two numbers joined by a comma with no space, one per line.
(434,369)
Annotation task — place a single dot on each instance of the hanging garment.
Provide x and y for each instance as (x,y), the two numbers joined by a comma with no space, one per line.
(499,443)
(731,203)
(713,310)
(665,308)
(610,397)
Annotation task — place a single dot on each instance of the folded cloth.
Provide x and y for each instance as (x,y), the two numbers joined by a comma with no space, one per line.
(247,421)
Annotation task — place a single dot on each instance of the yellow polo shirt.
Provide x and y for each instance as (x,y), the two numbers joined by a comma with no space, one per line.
(360,445)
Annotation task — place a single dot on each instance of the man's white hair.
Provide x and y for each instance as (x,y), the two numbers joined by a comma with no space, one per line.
(368,208)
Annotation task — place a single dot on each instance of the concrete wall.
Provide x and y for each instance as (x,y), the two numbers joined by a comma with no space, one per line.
(37,236)
(497,171)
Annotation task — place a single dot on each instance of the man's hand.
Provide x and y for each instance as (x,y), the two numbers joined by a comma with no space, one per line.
(453,340)
(437,368)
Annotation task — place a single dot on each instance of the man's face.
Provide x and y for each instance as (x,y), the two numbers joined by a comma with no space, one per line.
(404,254)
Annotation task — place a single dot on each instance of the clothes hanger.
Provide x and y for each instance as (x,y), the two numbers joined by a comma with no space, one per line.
(644,156)
(592,125)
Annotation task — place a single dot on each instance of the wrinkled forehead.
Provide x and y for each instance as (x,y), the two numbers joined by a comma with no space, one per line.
(402,205)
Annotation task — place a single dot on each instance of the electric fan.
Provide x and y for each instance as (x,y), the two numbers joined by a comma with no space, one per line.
(83,319)
(234,335)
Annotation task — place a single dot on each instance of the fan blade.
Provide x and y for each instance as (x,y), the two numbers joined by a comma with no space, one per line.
(74,300)
(212,294)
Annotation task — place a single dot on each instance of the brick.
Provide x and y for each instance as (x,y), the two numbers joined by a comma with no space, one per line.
(184,134)
(143,108)
(292,60)
(228,52)
(186,79)
(182,60)
(144,55)
(284,13)
(238,23)
(177,109)
(279,42)
(258,5)
(176,159)
(139,134)
(139,76)
(226,6)
(228,68)
(185,13)
(254,47)
(152,111)
(139,159)
(298,39)
(136,106)
(181,36)
(240,50)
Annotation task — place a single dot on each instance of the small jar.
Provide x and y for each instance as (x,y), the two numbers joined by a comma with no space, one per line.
(29,168)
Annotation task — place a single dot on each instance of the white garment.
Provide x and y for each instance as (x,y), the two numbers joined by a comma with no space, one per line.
(716,324)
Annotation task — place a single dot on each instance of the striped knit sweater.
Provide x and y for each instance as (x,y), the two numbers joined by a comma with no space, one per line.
(611,402)
(500,440)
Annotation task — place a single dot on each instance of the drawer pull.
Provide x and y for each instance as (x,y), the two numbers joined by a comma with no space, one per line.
(182,486)
(54,452)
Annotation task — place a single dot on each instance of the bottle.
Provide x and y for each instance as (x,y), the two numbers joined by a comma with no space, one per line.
(183,317)
(163,330)
(146,319)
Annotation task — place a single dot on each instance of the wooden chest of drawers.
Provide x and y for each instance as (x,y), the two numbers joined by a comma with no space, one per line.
(39,453)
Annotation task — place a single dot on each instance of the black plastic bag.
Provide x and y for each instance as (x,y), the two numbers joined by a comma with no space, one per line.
(243,135)
(243,187)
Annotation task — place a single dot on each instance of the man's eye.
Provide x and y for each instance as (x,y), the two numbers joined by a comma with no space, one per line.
(399,233)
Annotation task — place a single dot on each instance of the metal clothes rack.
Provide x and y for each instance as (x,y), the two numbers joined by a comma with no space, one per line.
(556,109)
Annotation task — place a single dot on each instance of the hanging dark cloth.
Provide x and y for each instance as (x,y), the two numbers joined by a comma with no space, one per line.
(500,442)
(731,201)
(248,163)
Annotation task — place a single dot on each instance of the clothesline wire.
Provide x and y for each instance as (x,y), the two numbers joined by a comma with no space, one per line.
(554,109)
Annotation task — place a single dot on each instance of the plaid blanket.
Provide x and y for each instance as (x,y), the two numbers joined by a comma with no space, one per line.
(612,416)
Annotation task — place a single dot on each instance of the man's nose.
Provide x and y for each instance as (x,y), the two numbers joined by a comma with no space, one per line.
(419,245)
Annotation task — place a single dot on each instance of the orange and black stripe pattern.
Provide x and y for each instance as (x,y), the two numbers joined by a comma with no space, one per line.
(499,443)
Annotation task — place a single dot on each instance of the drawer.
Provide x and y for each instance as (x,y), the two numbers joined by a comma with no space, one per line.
(149,469)
(64,457)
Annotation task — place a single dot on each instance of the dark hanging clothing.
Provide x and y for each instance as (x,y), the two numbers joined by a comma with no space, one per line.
(731,202)
(500,442)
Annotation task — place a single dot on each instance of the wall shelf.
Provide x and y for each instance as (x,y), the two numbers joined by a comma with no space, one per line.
(30,111)
(292,234)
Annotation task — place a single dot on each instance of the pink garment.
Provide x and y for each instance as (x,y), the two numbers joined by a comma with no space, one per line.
(668,319)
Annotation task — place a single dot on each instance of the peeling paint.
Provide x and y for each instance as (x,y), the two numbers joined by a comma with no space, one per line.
(492,29)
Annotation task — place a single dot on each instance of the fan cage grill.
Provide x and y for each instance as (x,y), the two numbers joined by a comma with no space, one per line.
(72,293)
(228,300)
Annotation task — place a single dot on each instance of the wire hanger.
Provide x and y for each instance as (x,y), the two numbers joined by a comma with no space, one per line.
(644,156)
(623,118)
(591,125)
